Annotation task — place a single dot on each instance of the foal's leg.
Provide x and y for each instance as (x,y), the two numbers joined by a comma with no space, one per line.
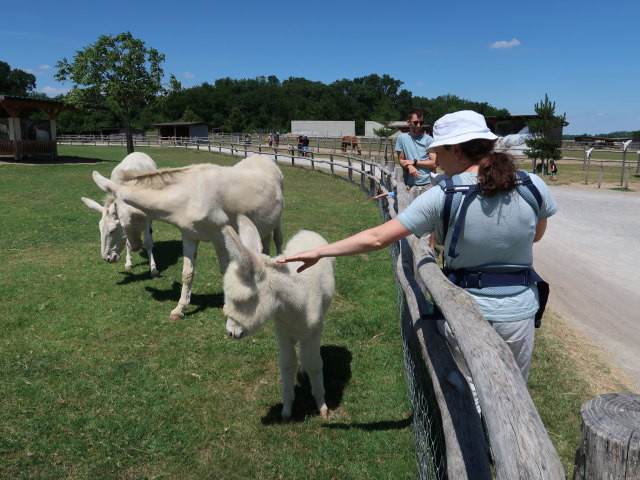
(148,245)
(312,361)
(288,362)
(189,251)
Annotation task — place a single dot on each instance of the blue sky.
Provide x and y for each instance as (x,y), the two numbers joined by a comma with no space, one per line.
(509,54)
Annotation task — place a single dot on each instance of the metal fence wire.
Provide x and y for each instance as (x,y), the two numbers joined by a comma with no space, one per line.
(427,424)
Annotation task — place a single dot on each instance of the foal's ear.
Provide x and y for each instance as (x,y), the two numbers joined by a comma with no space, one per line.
(104,183)
(234,245)
(250,263)
(249,235)
(93,205)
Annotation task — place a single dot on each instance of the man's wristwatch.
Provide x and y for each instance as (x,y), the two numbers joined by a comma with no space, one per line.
(415,163)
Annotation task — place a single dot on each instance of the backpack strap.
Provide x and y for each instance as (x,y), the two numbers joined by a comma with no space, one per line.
(528,190)
(452,198)
(468,198)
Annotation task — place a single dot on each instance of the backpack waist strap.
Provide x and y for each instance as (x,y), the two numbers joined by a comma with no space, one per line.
(474,279)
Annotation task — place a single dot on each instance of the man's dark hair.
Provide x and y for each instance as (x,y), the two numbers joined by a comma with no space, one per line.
(417,112)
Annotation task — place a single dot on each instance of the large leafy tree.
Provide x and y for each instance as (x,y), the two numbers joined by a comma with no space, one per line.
(117,72)
(14,81)
(541,146)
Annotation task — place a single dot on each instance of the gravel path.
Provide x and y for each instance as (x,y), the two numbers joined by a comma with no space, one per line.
(590,255)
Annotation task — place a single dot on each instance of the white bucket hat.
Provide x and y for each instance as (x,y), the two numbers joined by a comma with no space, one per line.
(460,127)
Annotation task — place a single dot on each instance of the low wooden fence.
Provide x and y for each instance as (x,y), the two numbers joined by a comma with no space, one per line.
(367,146)
(17,149)
(452,440)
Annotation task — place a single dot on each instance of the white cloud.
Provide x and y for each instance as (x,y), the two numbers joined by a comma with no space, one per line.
(53,91)
(189,75)
(513,43)
(38,70)
(421,84)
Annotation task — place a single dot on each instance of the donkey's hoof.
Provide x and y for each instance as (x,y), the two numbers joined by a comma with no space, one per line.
(155,274)
(324,412)
(128,267)
(174,317)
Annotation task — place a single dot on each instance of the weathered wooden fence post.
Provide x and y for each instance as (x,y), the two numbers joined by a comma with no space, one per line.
(625,146)
(610,438)
(600,175)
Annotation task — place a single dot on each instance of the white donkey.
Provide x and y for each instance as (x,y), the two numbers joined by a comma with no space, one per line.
(123,224)
(200,199)
(257,288)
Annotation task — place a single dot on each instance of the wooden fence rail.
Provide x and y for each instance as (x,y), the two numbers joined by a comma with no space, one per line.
(368,146)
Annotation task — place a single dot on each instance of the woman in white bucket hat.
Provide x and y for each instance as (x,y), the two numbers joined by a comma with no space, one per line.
(495,237)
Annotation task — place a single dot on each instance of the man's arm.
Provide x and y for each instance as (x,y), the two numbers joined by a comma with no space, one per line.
(408,164)
(430,163)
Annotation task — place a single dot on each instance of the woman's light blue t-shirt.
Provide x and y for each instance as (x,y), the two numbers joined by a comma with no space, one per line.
(497,230)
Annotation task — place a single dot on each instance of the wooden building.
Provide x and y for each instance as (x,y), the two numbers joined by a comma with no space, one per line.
(20,136)
(183,129)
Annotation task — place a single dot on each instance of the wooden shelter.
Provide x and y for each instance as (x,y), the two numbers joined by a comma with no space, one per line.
(183,129)
(19,136)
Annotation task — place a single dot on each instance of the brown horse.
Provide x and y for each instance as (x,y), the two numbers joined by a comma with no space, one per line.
(352,142)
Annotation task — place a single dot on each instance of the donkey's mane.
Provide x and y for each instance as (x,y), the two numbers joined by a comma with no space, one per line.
(109,198)
(157,179)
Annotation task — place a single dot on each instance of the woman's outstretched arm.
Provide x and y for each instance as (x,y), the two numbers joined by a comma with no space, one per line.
(366,241)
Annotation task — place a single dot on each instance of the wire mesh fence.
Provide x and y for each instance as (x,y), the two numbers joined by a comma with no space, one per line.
(427,424)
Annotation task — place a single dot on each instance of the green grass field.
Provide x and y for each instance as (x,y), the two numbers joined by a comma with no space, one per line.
(97,384)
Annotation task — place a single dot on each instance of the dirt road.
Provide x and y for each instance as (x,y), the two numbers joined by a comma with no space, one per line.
(591,257)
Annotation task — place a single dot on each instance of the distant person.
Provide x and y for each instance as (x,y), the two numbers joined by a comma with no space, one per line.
(270,140)
(276,139)
(553,171)
(413,157)
(305,146)
(300,150)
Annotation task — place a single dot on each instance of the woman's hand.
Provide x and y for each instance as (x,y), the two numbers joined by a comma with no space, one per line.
(308,259)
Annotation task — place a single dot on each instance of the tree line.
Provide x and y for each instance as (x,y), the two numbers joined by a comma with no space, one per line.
(268,104)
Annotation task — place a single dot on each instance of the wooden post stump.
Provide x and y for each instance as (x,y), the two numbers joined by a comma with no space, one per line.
(610,438)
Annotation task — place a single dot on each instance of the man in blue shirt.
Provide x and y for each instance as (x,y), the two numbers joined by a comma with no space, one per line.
(413,156)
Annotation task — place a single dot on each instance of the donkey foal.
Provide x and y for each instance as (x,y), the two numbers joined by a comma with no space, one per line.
(257,288)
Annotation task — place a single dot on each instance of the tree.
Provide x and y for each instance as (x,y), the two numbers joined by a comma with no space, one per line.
(541,145)
(117,72)
(189,116)
(14,81)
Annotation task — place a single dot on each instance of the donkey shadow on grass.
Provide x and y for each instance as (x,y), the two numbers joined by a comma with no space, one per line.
(337,374)
(169,253)
(166,253)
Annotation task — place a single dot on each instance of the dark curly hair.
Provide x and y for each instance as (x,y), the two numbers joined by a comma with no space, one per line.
(497,170)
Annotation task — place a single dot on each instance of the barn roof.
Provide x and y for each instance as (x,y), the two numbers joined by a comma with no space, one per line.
(14,103)
(178,124)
